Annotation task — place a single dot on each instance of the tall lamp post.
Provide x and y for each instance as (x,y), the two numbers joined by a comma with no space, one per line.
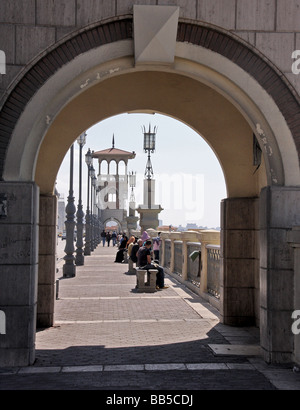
(80,214)
(149,147)
(149,211)
(87,248)
(92,230)
(69,268)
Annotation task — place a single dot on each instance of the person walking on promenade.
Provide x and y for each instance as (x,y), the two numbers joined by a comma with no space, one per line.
(103,237)
(114,238)
(108,238)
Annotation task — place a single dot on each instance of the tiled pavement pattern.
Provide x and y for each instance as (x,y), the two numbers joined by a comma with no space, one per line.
(109,337)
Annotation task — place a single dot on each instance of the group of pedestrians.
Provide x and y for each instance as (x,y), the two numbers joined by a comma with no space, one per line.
(144,252)
(107,237)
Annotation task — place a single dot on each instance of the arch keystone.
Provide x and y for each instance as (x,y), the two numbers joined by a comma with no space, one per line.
(155,30)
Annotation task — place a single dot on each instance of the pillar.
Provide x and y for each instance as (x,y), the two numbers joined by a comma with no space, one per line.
(173,236)
(239,261)
(187,236)
(47,261)
(279,212)
(149,217)
(18,271)
(294,241)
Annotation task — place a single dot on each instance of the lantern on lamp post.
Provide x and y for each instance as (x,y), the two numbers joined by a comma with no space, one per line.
(149,147)
(132,184)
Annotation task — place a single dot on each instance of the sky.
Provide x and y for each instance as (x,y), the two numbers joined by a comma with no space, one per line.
(189,182)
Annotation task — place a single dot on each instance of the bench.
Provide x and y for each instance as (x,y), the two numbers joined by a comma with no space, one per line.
(142,284)
(131,269)
(125,255)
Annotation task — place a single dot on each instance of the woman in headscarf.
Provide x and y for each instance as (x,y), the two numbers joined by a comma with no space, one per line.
(145,236)
(122,247)
(130,244)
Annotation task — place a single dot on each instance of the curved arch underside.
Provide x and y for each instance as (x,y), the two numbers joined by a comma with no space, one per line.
(215,117)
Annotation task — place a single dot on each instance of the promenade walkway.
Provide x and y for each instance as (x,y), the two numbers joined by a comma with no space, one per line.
(109,337)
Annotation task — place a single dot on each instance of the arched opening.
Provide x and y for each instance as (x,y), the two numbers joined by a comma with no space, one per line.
(104,168)
(113,168)
(189,179)
(122,168)
(112,225)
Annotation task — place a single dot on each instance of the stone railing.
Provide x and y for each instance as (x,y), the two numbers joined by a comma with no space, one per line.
(213,270)
(202,274)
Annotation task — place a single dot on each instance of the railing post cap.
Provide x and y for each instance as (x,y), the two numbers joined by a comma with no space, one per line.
(210,236)
(191,236)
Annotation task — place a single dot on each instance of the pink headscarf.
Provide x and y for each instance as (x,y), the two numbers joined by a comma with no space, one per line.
(145,236)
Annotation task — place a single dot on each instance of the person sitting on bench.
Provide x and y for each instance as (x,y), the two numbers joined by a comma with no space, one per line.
(144,262)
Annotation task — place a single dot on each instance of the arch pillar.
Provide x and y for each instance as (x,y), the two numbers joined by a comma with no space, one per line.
(19,232)
(294,242)
(279,213)
(239,260)
(47,260)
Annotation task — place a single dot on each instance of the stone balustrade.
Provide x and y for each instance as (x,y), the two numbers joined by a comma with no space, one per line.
(202,275)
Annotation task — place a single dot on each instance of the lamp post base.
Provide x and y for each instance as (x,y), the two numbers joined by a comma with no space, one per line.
(69,271)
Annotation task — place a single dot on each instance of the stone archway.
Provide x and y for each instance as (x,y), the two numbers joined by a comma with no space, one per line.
(218,86)
(113,220)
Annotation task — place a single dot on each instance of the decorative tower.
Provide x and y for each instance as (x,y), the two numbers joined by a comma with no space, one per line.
(149,211)
(112,185)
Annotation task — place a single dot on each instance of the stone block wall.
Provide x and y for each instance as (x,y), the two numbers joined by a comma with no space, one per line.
(240,261)
(47,261)
(279,213)
(19,272)
(28,27)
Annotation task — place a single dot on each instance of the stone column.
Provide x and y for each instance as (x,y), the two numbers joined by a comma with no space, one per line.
(206,237)
(19,207)
(163,238)
(47,261)
(279,212)
(187,236)
(149,217)
(238,261)
(173,236)
(294,241)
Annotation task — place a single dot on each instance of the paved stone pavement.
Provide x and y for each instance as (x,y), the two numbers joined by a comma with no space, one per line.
(109,337)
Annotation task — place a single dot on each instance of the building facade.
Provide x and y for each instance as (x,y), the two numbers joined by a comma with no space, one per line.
(112,184)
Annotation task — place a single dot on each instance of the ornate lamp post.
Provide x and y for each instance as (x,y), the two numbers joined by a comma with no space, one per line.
(87,248)
(69,268)
(80,214)
(92,218)
(149,211)
(149,147)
